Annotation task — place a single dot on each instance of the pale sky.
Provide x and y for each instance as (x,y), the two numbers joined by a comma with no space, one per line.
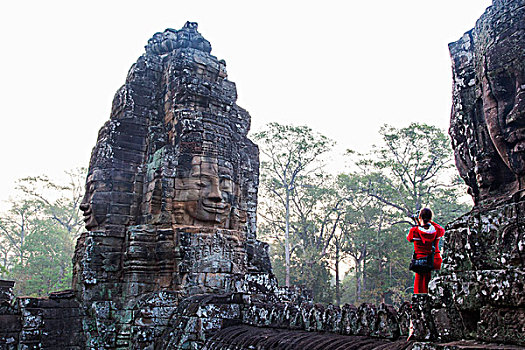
(344,68)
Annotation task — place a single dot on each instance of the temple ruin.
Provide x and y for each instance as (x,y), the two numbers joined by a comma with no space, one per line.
(170,257)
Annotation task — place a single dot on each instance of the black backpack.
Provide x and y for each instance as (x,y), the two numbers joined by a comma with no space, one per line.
(423,265)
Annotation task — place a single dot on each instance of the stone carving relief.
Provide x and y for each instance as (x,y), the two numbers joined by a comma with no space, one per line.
(206,195)
(487,122)
(171,192)
(503,86)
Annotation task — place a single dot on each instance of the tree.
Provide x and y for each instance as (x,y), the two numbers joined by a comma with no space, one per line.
(63,209)
(38,232)
(5,253)
(47,264)
(292,153)
(377,249)
(332,242)
(362,218)
(316,222)
(414,165)
(16,224)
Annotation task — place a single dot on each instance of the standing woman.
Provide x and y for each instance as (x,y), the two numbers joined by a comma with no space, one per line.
(424,235)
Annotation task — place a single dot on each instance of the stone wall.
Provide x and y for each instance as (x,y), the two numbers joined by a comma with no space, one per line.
(10,318)
(39,323)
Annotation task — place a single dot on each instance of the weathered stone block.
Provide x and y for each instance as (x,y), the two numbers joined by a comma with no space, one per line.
(490,240)
(366,319)
(421,318)
(505,325)
(349,320)
(387,322)
(10,324)
(403,315)
(448,323)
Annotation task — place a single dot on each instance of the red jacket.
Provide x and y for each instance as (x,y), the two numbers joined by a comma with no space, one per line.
(423,239)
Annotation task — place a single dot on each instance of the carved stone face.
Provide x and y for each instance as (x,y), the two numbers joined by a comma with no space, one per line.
(93,205)
(484,170)
(504,99)
(205,196)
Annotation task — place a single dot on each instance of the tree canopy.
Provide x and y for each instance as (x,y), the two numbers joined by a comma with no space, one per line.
(38,233)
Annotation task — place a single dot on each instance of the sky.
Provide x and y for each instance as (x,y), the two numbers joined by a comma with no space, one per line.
(344,68)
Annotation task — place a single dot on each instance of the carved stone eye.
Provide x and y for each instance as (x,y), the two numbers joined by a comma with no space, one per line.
(226,184)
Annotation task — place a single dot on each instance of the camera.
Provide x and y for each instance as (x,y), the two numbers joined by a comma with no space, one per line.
(415,218)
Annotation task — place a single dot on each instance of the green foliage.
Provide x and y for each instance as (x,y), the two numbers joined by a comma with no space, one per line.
(308,243)
(38,233)
(307,271)
(416,165)
(15,225)
(46,266)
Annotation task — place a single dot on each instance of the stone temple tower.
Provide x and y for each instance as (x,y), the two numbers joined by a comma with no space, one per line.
(171,193)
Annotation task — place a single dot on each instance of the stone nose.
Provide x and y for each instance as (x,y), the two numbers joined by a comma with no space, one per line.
(215,193)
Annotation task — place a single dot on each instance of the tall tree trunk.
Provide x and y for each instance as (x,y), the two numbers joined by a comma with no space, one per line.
(363,256)
(287,239)
(337,291)
(22,237)
(380,259)
(357,280)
